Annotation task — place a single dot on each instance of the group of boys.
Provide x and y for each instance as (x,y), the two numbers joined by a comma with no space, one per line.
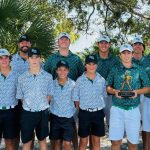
(93,90)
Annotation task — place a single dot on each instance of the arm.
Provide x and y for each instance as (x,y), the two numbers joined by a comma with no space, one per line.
(112,91)
(144,90)
(76,104)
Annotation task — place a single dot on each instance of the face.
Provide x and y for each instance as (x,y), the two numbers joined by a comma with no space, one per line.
(103,46)
(34,61)
(62,72)
(126,56)
(64,43)
(4,61)
(91,67)
(138,48)
(24,46)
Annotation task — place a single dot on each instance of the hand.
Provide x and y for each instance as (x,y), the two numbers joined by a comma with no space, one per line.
(116,94)
(135,92)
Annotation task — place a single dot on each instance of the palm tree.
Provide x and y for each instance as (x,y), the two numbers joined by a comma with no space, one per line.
(19,17)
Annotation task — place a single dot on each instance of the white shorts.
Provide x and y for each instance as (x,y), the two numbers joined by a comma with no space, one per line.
(141,103)
(122,121)
(146,115)
(108,104)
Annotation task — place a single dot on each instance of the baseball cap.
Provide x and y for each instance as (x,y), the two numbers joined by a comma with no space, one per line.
(4,52)
(127,47)
(91,58)
(137,39)
(62,63)
(64,34)
(24,38)
(103,38)
(33,51)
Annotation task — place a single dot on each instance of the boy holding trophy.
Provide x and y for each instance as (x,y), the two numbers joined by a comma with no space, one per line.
(126,82)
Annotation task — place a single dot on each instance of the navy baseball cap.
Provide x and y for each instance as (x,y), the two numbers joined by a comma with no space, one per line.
(34,51)
(24,38)
(62,63)
(91,59)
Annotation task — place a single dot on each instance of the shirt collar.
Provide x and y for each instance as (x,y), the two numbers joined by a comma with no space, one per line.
(56,81)
(40,73)
(109,56)
(138,61)
(58,54)
(19,57)
(133,66)
(86,78)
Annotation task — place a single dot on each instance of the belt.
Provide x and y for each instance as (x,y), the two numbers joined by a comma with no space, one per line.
(7,107)
(31,110)
(92,109)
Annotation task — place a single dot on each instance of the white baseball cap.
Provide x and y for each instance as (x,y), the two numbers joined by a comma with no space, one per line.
(127,47)
(103,38)
(137,39)
(63,34)
(4,52)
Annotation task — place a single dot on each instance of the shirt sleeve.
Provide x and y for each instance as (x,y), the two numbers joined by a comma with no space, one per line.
(110,79)
(104,89)
(76,92)
(145,81)
(50,86)
(80,67)
(47,66)
(19,94)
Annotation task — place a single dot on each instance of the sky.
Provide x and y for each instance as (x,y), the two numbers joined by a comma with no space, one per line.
(87,40)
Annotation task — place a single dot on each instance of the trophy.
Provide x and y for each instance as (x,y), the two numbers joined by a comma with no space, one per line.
(129,92)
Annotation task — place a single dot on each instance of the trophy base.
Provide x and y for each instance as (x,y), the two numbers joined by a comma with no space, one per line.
(126,94)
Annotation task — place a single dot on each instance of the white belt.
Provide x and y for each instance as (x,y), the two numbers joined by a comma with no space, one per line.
(7,107)
(93,109)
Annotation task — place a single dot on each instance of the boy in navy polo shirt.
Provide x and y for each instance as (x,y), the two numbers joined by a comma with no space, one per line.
(34,88)
(89,94)
(8,101)
(62,108)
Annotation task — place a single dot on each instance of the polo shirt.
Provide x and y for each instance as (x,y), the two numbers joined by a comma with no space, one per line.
(8,88)
(105,65)
(34,89)
(139,79)
(75,65)
(62,104)
(90,93)
(145,63)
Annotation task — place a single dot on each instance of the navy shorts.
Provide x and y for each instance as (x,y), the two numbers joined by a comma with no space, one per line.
(9,124)
(91,123)
(61,128)
(31,121)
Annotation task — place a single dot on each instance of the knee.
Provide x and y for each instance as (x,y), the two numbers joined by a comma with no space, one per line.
(132,146)
(66,143)
(116,143)
(83,142)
